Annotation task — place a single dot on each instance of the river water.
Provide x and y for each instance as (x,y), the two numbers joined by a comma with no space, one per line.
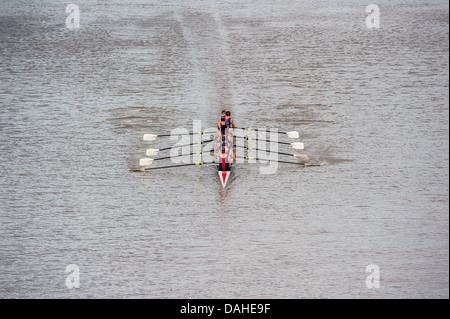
(370,104)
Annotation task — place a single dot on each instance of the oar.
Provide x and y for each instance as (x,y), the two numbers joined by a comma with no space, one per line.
(286,162)
(161,167)
(297,146)
(149,161)
(269,151)
(154,151)
(152,137)
(292,134)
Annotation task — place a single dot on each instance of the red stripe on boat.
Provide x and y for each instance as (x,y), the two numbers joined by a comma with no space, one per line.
(223,164)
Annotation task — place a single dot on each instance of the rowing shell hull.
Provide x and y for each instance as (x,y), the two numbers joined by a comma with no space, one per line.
(224,176)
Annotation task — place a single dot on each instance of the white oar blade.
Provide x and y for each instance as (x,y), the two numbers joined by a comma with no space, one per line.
(149,137)
(292,134)
(151,151)
(145,161)
(298,146)
(302,157)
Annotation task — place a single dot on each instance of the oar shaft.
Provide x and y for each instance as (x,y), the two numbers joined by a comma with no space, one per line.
(286,162)
(257,139)
(161,167)
(302,164)
(258,149)
(262,159)
(171,147)
(191,133)
(257,129)
(166,157)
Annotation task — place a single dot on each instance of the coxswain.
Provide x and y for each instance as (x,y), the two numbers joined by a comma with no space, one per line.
(225,159)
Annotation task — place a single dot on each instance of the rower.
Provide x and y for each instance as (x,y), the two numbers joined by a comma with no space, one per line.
(224,114)
(229,120)
(227,140)
(229,135)
(226,132)
(222,126)
(223,142)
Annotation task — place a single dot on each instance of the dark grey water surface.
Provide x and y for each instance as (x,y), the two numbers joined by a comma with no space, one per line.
(371,105)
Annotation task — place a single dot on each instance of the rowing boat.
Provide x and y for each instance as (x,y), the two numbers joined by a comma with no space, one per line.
(224,175)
